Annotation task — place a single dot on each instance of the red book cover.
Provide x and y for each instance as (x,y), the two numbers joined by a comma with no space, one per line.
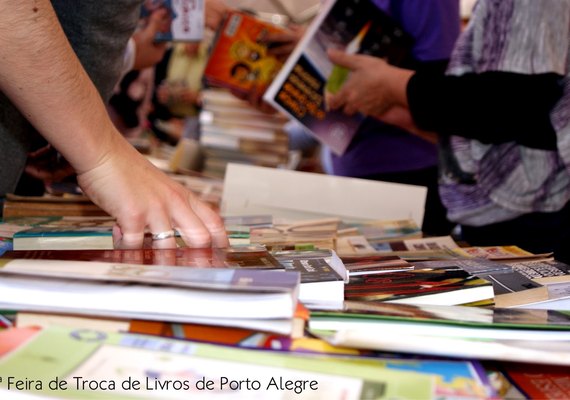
(539,381)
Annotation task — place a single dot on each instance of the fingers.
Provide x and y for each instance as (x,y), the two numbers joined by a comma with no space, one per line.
(281,44)
(343,59)
(199,225)
(338,100)
(128,236)
(162,232)
(213,223)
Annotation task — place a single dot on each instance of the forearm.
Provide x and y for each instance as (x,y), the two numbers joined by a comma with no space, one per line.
(492,107)
(44,79)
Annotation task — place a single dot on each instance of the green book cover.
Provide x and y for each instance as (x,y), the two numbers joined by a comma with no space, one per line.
(89,364)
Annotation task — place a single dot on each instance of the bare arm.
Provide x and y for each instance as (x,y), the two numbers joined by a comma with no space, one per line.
(44,79)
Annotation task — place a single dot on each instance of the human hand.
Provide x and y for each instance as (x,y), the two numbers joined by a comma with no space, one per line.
(215,13)
(372,88)
(148,52)
(281,44)
(139,196)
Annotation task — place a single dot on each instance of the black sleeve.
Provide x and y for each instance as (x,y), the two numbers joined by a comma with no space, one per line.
(493,107)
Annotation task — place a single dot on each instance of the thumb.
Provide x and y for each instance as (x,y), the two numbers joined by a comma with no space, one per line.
(343,59)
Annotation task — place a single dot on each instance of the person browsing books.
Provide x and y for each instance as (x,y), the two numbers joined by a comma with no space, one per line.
(380,151)
(55,55)
(501,111)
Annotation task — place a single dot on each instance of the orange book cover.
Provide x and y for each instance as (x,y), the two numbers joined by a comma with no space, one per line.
(208,333)
(239,58)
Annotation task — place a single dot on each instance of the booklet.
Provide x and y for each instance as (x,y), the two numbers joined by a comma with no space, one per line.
(239,58)
(185,19)
(302,85)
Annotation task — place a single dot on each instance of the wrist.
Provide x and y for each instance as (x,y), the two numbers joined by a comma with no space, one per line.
(100,149)
(399,84)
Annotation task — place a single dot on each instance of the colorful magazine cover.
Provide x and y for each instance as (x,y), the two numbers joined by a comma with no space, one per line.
(239,58)
(301,87)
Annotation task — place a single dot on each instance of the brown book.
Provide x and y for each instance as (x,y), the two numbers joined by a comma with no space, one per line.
(35,206)
(254,257)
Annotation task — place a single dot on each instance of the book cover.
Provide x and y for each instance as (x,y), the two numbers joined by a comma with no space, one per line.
(538,336)
(543,271)
(443,286)
(64,232)
(539,381)
(239,58)
(184,21)
(253,257)
(240,280)
(301,86)
(254,299)
(503,253)
(323,276)
(429,248)
(374,264)
(167,368)
(364,313)
(33,206)
(542,284)
(383,230)
(224,334)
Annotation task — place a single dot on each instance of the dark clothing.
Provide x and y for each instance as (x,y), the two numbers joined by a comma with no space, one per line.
(492,107)
(98,32)
(536,232)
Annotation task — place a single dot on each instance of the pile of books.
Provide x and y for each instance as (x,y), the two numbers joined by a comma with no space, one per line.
(234,131)
(342,283)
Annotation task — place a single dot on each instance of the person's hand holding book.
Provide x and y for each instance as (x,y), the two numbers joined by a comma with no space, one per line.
(148,51)
(377,89)
(372,88)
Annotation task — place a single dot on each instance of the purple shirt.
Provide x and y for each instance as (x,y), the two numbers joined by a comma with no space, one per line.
(381,148)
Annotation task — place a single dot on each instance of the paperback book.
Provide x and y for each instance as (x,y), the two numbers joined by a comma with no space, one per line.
(301,87)
(538,336)
(237,257)
(443,286)
(229,297)
(184,19)
(239,58)
(539,284)
(99,364)
(323,276)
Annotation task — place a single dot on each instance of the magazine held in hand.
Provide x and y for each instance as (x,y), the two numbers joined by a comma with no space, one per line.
(301,87)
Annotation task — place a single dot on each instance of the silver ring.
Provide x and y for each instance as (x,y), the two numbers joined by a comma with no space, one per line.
(163,235)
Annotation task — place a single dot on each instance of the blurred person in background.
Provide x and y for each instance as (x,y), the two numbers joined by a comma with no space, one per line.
(60,61)
(501,111)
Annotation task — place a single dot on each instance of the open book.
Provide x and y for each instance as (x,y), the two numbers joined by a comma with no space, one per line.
(302,85)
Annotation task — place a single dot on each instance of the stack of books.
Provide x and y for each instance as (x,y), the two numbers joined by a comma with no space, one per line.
(241,297)
(234,131)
